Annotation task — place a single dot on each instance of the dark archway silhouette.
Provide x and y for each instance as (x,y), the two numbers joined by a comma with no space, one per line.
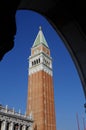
(66,17)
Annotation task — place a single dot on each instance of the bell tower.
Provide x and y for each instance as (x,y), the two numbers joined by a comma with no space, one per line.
(40,98)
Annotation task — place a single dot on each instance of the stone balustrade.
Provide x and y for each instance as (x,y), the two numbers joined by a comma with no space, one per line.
(11,120)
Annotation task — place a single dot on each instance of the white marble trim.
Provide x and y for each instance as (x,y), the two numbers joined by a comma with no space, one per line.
(40,67)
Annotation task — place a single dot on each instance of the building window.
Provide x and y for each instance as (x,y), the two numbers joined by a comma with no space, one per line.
(39,60)
(32,63)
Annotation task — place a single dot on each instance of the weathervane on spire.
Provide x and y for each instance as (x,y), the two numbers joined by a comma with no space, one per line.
(40,28)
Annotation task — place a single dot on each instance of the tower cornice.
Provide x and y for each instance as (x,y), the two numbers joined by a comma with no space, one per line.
(41,67)
(40,54)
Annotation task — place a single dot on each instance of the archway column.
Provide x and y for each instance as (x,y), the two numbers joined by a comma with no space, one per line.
(3,125)
(30,128)
(11,126)
(18,127)
(24,127)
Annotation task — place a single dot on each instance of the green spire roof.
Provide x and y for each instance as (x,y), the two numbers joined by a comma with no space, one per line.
(40,39)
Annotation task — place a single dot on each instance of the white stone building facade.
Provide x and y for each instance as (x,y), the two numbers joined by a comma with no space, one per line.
(11,120)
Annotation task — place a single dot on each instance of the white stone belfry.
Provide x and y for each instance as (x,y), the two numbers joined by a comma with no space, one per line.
(40,58)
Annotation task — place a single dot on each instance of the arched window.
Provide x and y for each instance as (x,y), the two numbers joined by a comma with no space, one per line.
(16,126)
(7,127)
(39,60)
(32,63)
(21,127)
(27,128)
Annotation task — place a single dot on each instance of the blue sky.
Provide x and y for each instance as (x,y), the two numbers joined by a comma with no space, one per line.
(68,92)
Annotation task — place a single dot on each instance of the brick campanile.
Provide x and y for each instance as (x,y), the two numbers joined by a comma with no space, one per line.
(40,99)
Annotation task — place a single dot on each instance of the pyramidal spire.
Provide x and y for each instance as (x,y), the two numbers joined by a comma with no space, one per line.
(40,39)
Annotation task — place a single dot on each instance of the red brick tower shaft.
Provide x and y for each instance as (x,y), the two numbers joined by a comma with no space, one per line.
(40,99)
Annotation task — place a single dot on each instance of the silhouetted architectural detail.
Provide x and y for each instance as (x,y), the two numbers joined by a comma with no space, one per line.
(8,10)
(66,17)
(40,99)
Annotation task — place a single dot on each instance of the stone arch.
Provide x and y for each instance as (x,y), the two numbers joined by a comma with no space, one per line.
(39,60)
(66,17)
(16,126)
(68,20)
(21,126)
(36,61)
(32,63)
(7,126)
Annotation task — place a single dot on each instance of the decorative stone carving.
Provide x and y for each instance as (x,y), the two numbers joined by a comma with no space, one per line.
(9,118)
